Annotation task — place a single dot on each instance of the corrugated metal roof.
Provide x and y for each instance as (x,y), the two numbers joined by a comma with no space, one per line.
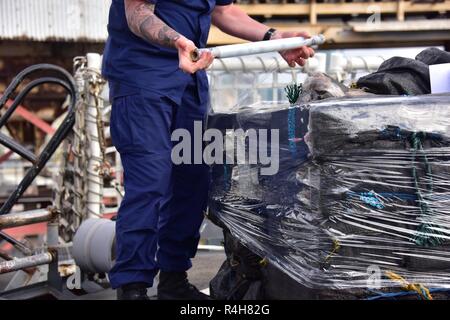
(66,20)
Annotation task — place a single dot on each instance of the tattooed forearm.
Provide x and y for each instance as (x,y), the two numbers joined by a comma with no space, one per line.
(143,22)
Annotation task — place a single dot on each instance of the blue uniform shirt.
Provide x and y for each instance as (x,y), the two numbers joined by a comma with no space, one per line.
(129,62)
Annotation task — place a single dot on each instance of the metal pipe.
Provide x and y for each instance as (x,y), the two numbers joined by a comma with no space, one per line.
(25,91)
(56,139)
(52,234)
(27,262)
(7,257)
(17,148)
(245,49)
(16,243)
(25,218)
(61,133)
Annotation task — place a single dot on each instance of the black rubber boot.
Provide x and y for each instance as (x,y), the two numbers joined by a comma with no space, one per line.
(133,291)
(175,286)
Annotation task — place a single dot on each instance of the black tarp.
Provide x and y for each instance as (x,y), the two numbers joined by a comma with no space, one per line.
(404,76)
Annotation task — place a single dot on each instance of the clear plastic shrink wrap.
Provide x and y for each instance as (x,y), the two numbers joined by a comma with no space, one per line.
(361,197)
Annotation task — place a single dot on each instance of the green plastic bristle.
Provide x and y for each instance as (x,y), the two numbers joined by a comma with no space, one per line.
(293,92)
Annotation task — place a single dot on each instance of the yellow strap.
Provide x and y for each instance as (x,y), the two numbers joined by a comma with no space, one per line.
(423,291)
(336,246)
(263,262)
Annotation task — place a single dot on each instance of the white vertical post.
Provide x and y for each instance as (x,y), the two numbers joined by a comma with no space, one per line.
(321,62)
(337,65)
(95,182)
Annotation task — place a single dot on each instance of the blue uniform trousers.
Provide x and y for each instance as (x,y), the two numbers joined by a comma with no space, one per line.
(159,218)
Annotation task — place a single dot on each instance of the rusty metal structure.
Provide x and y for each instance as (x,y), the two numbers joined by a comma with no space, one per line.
(29,257)
(78,195)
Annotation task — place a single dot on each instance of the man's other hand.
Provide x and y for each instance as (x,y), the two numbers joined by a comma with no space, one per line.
(185,48)
(294,56)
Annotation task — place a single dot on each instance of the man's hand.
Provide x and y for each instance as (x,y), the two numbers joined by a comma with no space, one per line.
(294,56)
(185,48)
(234,21)
(144,23)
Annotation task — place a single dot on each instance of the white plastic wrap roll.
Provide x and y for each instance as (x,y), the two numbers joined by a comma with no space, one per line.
(245,49)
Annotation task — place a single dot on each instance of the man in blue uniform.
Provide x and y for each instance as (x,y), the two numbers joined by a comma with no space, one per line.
(155,89)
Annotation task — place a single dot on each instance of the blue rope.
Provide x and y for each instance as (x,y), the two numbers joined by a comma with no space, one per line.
(291,131)
(425,236)
(293,92)
(393,295)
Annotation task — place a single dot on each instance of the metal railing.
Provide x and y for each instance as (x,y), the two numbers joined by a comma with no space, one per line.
(38,162)
(247,80)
